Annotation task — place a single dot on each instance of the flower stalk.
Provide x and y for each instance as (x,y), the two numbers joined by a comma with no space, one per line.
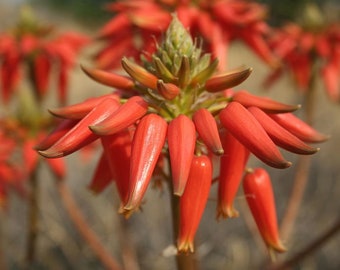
(33,217)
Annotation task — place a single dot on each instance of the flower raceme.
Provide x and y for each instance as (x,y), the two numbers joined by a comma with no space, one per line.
(174,108)
(218,22)
(305,52)
(30,44)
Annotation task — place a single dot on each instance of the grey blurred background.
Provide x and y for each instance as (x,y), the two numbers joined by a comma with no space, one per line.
(221,245)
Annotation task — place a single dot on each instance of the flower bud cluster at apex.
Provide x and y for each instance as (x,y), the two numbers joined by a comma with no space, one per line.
(174,108)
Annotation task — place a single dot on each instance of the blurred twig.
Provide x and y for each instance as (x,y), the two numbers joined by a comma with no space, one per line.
(87,233)
(3,265)
(303,165)
(321,240)
(32,224)
(295,199)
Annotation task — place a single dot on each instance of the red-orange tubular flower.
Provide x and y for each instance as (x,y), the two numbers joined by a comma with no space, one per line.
(232,166)
(173,108)
(193,201)
(33,46)
(181,143)
(259,194)
(218,22)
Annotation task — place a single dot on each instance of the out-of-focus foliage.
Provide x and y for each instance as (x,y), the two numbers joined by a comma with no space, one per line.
(281,12)
(90,12)
(93,13)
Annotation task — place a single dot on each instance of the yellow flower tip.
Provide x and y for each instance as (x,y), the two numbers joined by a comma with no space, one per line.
(126,213)
(179,192)
(284,165)
(249,170)
(224,212)
(97,129)
(185,247)
(93,190)
(277,246)
(50,153)
(219,151)
(130,206)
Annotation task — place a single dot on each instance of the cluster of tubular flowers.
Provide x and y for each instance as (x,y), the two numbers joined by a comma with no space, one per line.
(304,52)
(33,45)
(11,175)
(174,109)
(217,22)
(18,140)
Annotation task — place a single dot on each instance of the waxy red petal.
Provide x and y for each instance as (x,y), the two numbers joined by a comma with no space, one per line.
(30,156)
(330,76)
(206,127)
(120,21)
(80,110)
(117,149)
(42,68)
(232,165)
(126,115)
(158,22)
(59,131)
(259,194)
(109,78)
(266,104)
(244,126)
(102,176)
(181,143)
(148,141)
(192,202)
(280,135)
(299,128)
(80,135)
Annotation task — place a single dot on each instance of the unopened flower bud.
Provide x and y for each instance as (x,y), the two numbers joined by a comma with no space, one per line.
(167,90)
(227,80)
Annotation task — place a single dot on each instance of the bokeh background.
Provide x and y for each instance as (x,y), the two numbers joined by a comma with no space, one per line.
(221,245)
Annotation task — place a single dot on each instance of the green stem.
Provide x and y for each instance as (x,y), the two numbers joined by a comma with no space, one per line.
(33,226)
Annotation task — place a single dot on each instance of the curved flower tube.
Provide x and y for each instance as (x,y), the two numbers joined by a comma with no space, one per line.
(259,194)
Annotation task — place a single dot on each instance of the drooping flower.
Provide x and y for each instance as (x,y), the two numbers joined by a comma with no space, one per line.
(24,140)
(260,197)
(219,23)
(232,166)
(193,201)
(33,46)
(174,109)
